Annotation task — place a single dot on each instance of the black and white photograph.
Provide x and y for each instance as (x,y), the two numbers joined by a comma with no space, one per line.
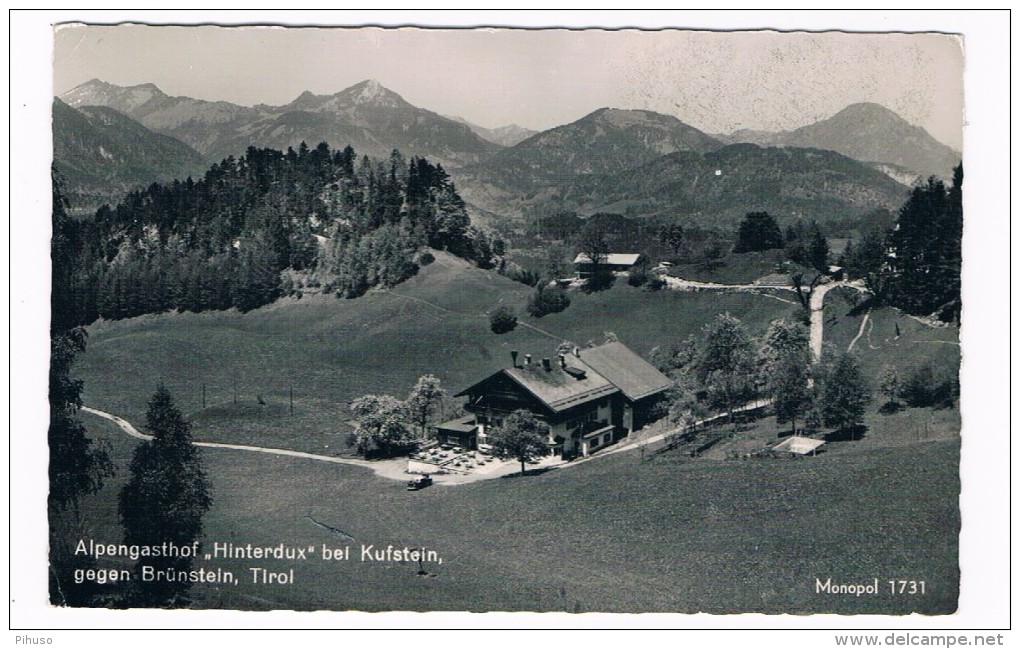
(411,317)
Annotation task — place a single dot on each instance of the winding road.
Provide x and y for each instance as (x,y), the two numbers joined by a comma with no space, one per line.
(126,426)
(816,303)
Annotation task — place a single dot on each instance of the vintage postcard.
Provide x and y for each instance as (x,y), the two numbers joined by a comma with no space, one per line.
(351,318)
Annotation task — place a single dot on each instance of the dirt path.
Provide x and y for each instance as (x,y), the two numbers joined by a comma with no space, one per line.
(816,304)
(860,332)
(391,469)
(680,284)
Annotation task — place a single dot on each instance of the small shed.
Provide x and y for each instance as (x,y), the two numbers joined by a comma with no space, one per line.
(799,445)
(461,432)
(616,262)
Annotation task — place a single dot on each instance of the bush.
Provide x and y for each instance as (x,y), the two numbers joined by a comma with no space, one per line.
(426,258)
(639,275)
(930,386)
(656,284)
(547,299)
(502,320)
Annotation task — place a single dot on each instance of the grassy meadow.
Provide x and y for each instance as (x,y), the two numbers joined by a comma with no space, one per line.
(617,533)
(331,351)
(670,534)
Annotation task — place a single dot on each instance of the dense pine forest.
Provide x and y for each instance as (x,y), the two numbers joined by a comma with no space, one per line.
(224,240)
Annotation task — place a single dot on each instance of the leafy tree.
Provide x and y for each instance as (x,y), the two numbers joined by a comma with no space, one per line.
(804,292)
(890,384)
(678,357)
(672,236)
(784,362)
(640,273)
(502,320)
(426,397)
(379,421)
(547,299)
(683,406)
(556,261)
(592,242)
(845,394)
(164,500)
(726,365)
(928,385)
(758,231)
(522,436)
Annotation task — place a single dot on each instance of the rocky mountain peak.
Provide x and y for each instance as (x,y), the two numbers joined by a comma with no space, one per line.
(371,92)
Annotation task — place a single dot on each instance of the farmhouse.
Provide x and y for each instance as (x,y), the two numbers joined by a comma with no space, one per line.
(613,262)
(589,398)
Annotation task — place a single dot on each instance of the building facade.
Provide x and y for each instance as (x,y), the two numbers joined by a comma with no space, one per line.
(589,399)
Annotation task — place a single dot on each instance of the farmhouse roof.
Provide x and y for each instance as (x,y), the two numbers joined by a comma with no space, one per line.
(613,258)
(596,373)
(558,388)
(636,377)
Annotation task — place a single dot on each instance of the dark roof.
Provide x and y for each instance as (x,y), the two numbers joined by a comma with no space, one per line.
(635,376)
(607,369)
(556,388)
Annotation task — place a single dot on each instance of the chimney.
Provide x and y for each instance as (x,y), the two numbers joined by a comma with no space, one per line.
(513,356)
(563,360)
(546,365)
(577,351)
(527,359)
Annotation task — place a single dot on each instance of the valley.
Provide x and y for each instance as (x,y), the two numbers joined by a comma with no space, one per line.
(674,533)
(270,267)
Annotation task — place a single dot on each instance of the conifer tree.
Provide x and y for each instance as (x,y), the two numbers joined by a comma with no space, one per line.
(164,501)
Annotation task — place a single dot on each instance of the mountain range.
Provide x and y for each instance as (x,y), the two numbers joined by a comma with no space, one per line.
(633,159)
(719,187)
(508,135)
(366,116)
(102,154)
(870,133)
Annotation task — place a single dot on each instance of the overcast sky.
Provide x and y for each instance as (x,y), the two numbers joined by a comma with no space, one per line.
(714,81)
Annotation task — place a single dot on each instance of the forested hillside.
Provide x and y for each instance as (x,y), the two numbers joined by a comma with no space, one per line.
(102,154)
(223,241)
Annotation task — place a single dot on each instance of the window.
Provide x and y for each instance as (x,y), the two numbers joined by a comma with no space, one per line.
(606,438)
(593,442)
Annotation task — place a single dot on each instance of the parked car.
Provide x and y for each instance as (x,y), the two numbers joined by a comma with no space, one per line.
(419,483)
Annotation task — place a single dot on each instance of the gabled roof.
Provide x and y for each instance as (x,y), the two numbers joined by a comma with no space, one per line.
(557,389)
(613,258)
(636,377)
